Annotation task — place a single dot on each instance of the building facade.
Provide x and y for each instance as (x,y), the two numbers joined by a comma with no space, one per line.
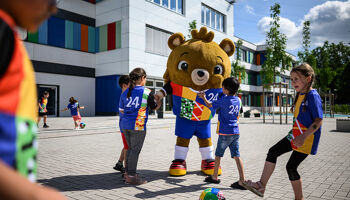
(88,44)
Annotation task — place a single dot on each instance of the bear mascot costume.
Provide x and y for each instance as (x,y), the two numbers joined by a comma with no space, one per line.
(195,65)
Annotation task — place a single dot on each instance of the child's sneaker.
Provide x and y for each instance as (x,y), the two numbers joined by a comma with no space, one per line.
(76,128)
(119,167)
(46,126)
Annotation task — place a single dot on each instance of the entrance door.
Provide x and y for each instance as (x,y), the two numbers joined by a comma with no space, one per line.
(52,104)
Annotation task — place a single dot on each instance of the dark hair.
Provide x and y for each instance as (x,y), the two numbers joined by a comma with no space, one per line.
(124,79)
(72,100)
(46,92)
(304,70)
(231,84)
(135,75)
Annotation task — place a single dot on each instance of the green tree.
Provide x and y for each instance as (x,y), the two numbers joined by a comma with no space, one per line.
(191,26)
(303,55)
(237,69)
(276,61)
(333,70)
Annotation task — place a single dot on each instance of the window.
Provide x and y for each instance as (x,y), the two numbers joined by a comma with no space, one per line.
(174,5)
(150,83)
(157,41)
(165,3)
(212,18)
(159,84)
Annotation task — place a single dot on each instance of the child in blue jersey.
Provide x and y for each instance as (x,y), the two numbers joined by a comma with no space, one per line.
(134,104)
(303,139)
(228,106)
(124,84)
(74,108)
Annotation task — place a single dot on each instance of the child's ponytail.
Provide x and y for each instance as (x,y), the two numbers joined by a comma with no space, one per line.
(135,75)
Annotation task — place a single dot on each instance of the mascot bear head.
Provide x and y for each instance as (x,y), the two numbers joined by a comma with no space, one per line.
(198,63)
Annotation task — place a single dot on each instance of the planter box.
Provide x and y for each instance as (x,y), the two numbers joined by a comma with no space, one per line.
(343,125)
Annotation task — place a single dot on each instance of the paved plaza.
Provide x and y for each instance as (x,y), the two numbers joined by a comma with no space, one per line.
(79,163)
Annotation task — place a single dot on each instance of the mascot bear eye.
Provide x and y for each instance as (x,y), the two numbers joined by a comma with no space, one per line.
(183,65)
(218,69)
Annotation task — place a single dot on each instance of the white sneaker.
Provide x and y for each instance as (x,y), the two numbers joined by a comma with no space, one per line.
(76,128)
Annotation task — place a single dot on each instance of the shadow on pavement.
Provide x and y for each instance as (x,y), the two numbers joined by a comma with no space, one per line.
(114,180)
(106,181)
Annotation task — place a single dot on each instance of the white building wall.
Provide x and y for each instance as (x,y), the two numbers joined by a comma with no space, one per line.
(78,6)
(58,55)
(144,13)
(81,88)
(114,61)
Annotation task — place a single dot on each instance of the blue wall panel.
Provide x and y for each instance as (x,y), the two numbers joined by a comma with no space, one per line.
(56,32)
(43,33)
(97,39)
(91,39)
(107,95)
(69,34)
(76,36)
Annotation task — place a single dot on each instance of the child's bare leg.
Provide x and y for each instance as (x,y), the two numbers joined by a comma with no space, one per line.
(45,118)
(267,172)
(240,169)
(75,124)
(298,189)
(122,155)
(216,167)
(39,118)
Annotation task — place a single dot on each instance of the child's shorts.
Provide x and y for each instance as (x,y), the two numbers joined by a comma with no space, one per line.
(231,141)
(76,118)
(124,141)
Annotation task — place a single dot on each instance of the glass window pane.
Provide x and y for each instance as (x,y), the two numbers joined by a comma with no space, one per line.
(179,6)
(212,18)
(173,5)
(222,27)
(218,21)
(166,3)
(207,16)
(157,1)
(202,14)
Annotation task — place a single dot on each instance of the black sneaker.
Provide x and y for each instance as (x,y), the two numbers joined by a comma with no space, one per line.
(46,126)
(119,167)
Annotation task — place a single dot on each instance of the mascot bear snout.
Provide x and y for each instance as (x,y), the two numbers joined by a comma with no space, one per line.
(200,76)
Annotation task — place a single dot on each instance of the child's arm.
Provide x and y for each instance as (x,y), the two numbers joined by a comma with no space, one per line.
(15,186)
(64,109)
(202,95)
(81,107)
(299,140)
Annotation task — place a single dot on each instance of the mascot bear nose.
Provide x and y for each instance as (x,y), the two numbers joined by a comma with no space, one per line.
(200,73)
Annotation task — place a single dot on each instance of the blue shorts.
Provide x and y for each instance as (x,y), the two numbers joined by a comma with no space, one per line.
(186,128)
(225,141)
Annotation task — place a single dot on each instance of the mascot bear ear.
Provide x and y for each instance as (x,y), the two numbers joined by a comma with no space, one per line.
(228,46)
(176,40)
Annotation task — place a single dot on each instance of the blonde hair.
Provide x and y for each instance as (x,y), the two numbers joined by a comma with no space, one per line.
(305,70)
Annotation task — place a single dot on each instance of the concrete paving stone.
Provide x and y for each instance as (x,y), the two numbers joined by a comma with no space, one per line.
(80,163)
(329,193)
(341,194)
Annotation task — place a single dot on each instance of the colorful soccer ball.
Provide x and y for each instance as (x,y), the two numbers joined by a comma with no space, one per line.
(212,194)
(82,125)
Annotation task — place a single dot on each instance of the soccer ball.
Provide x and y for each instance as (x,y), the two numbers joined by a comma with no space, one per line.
(82,125)
(212,194)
